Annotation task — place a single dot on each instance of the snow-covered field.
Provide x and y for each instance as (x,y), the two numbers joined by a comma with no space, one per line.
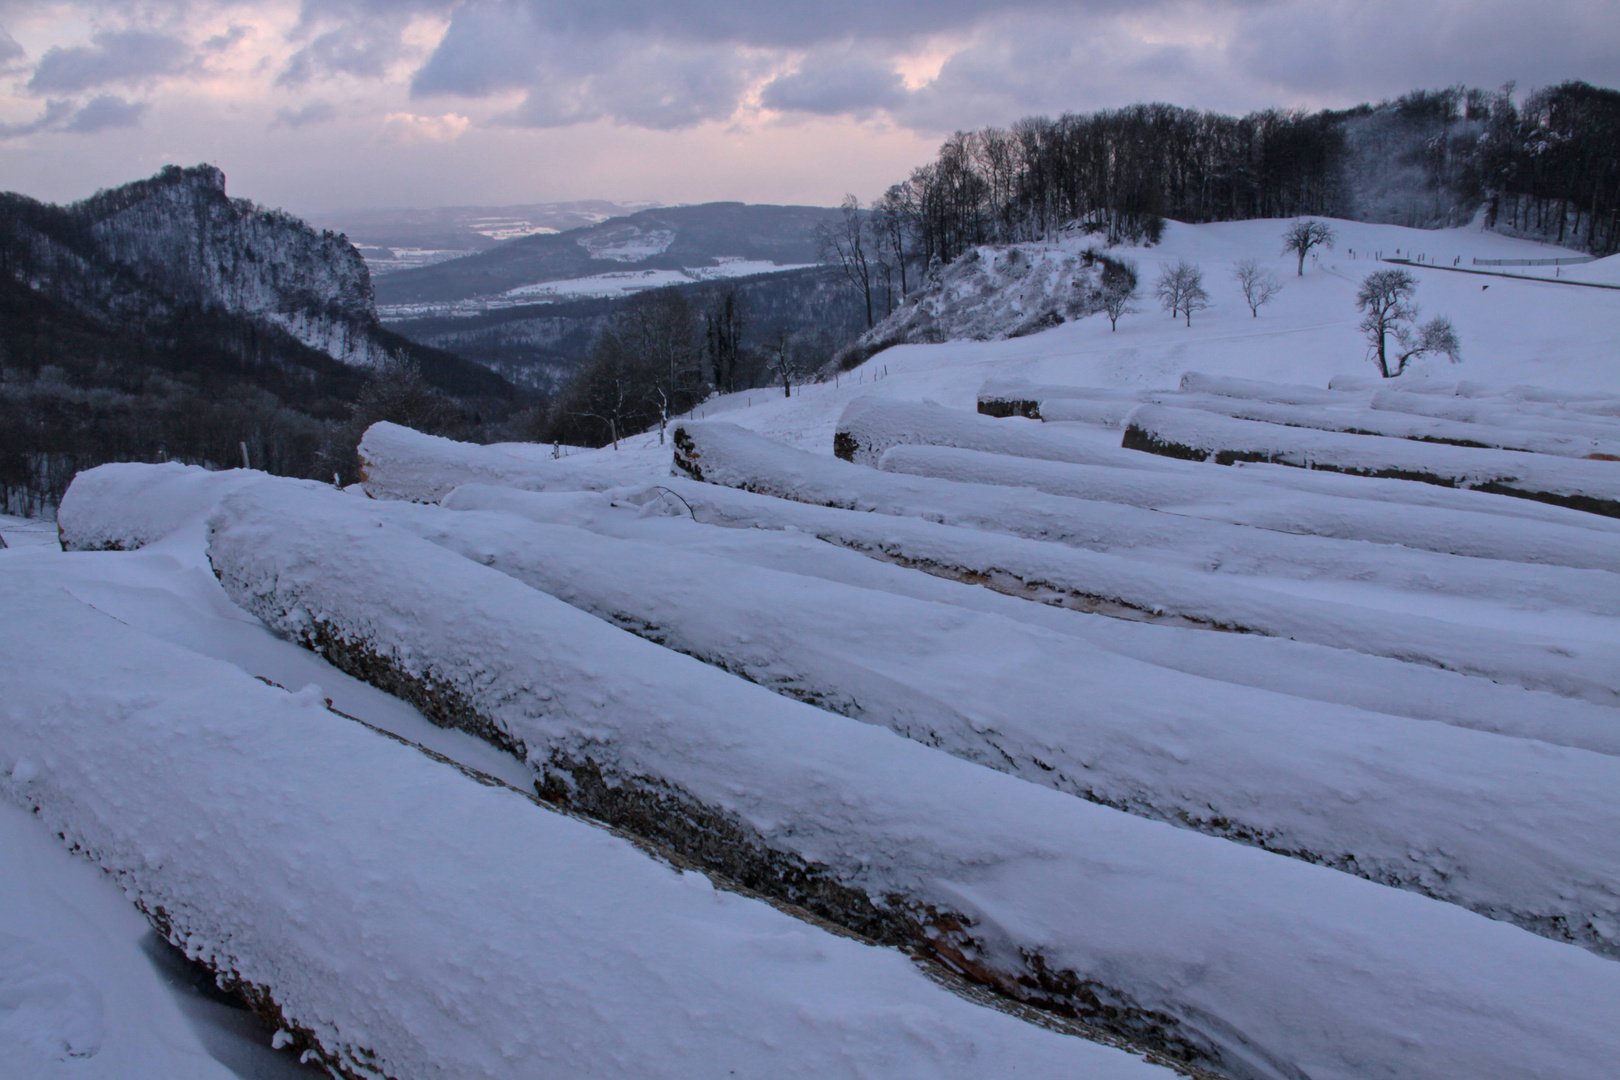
(597,286)
(972,695)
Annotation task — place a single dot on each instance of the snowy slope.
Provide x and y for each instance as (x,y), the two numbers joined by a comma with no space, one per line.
(1452,637)
(968,834)
(188,781)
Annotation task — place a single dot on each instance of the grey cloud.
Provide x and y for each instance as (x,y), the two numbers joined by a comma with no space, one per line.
(104,113)
(56,113)
(364,49)
(99,114)
(665,66)
(575,78)
(648,84)
(1373,48)
(11,53)
(833,82)
(316,112)
(114,56)
(782,23)
(486,49)
(220,42)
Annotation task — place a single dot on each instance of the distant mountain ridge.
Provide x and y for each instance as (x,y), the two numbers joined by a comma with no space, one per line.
(468,228)
(671,237)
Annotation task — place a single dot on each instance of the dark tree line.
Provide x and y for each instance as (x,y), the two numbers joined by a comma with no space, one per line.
(1548,168)
(196,389)
(663,352)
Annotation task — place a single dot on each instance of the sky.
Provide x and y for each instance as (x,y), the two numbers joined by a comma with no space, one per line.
(322,105)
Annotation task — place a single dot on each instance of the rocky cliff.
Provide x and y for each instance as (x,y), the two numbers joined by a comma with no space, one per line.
(155,249)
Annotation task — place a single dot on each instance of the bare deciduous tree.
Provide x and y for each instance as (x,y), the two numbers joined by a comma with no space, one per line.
(1119,291)
(1302,236)
(845,246)
(1386,301)
(645,366)
(894,219)
(1180,289)
(1260,286)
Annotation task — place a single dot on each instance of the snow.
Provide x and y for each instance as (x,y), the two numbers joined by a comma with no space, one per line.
(626,243)
(621,282)
(188,781)
(1346,417)
(1239,500)
(1570,482)
(398,463)
(656,515)
(870,426)
(78,997)
(728,455)
(925,673)
(886,815)
(1430,692)
(1526,415)
(16,532)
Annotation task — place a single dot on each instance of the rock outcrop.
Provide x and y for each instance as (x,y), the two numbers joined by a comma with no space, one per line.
(156,249)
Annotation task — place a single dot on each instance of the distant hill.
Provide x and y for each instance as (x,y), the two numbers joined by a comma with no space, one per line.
(539,346)
(669,238)
(469,228)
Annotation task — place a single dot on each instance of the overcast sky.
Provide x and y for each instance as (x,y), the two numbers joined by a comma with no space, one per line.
(323,104)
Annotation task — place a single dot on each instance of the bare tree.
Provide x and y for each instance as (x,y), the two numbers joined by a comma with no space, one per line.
(893,219)
(645,366)
(788,358)
(1386,301)
(1260,286)
(845,246)
(1119,291)
(396,391)
(723,327)
(1180,289)
(1302,236)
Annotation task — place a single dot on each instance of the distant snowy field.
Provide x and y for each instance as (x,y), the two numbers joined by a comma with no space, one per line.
(1440,721)
(598,286)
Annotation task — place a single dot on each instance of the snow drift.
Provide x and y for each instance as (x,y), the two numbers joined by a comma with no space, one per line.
(411,922)
(1312,672)
(398,463)
(871,425)
(1219,495)
(1042,893)
(1591,486)
(725,454)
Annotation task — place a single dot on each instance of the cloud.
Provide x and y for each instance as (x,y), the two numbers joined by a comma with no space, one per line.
(365,50)
(12,55)
(408,129)
(105,113)
(55,115)
(229,39)
(1349,49)
(780,24)
(316,112)
(99,114)
(836,81)
(646,81)
(126,56)
(652,64)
